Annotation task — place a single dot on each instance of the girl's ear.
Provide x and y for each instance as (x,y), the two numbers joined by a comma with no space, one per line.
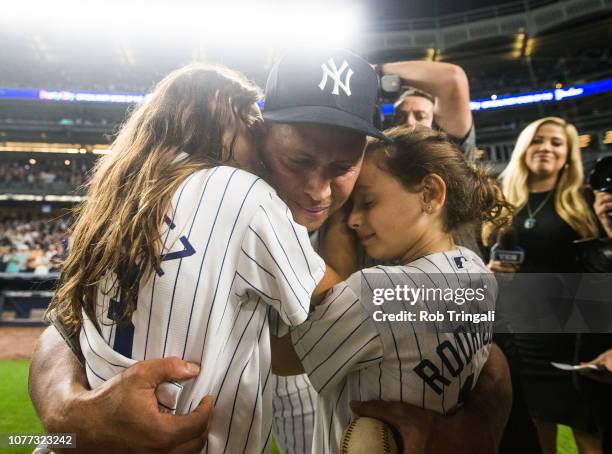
(433,193)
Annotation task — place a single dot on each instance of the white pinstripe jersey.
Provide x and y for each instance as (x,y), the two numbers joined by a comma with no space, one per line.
(294,399)
(348,356)
(293,403)
(232,253)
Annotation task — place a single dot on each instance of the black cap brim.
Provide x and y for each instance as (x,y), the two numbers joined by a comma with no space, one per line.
(324,116)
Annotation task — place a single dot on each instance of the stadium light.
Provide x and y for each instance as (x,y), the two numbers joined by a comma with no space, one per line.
(529,47)
(40,147)
(519,44)
(268,23)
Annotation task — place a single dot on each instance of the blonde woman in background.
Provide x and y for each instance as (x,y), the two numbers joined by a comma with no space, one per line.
(544,183)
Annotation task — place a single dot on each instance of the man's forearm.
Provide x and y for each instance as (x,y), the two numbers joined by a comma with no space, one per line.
(479,425)
(433,77)
(122,414)
(448,83)
(491,399)
(339,246)
(54,371)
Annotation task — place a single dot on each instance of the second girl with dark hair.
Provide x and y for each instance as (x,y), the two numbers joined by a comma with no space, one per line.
(409,199)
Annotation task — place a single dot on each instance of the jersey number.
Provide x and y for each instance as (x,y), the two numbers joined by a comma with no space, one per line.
(124,336)
(187,251)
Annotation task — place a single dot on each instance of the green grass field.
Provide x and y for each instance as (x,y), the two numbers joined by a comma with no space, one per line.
(17,413)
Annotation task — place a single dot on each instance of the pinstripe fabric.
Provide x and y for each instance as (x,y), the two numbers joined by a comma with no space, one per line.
(230,258)
(348,356)
(294,397)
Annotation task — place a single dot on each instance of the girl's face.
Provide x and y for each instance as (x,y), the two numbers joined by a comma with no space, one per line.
(388,219)
(547,153)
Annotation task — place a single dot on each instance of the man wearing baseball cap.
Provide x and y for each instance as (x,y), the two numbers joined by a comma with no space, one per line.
(319,108)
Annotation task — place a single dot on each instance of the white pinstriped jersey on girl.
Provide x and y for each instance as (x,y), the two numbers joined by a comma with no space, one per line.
(348,356)
(232,254)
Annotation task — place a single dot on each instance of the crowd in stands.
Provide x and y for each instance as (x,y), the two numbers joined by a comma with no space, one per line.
(50,175)
(586,65)
(32,245)
(39,120)
(34,73)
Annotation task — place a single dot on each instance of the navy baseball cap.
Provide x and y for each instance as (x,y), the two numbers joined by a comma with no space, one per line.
(329,87)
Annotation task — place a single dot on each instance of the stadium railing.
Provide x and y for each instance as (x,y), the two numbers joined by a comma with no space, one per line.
(23,297)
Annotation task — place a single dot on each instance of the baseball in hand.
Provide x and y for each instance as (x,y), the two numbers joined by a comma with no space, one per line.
(368,436)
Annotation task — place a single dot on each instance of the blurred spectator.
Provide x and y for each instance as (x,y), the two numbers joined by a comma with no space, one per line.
(13,262)
(34,246)
(52,175)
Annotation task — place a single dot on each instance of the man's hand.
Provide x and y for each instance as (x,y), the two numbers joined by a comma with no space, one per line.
(119,416)
(339,250)
(500,267)
(413,424)
(339,244)
(476,428)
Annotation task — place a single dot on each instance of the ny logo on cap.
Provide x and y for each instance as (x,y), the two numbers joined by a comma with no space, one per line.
(336,74)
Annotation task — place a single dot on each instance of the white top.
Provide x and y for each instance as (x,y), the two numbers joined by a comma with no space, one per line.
(232,253)
(349,356)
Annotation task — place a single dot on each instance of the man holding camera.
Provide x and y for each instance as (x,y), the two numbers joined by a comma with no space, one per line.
(434,93)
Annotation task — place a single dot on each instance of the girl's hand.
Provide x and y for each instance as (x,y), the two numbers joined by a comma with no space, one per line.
(602,205)
(500,267)
(339,245)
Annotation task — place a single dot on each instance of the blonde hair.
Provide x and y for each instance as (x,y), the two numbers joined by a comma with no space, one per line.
(569,201)
(117,229)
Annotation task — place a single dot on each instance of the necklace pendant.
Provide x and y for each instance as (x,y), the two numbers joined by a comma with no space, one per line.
(529,223)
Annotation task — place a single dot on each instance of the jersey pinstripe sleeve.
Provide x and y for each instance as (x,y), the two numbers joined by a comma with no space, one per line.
(338,337)
(278,262)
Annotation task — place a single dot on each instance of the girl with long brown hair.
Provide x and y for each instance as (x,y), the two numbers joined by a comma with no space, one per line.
(178,252)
